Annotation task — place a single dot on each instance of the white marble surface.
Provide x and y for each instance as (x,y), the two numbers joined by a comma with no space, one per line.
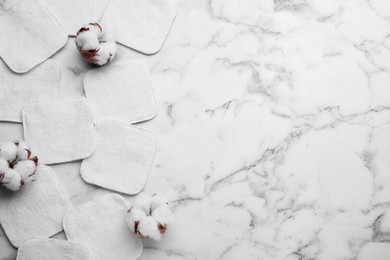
(273,130)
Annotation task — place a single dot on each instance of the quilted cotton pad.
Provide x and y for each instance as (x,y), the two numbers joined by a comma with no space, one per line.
(17,90)
(140,24)
(51,249)
(99,8)
(59,130)
(122,159)
(72,14)
(100,225)
(29,35)
(121,90)
(35,210)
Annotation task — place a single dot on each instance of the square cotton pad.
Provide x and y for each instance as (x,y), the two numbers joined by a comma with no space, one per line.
(121,90)
(100,225)
(123,157)
(142,25)
(72,14)
(51,249)
(17,90)
(59,130)
(35,210)
(29,35)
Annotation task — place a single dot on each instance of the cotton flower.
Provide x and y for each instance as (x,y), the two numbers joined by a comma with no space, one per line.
(143,202)
(8,151)
(4,165)
(23,150)
(12,180)
(17,166)
(157,201)
(134,218)
(149,216)
(26,170)
(163,215)
(95,44)
(148,228)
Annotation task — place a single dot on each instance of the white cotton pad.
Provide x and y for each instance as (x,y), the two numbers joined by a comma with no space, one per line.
(99,8)
(142,25)
(35,210)
(72,14)
(17,90)
(121,90)
(122,159)
(29,35)
(100,225)
(51,249)
(59,130)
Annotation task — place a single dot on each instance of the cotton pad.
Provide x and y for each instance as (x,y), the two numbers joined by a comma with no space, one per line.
(29,35)
(17,90)
(51,249)
(100,225)
(59,130)
(121,90)
(122,159)
(99,7)
(142,25)
(36,210)
(72,14)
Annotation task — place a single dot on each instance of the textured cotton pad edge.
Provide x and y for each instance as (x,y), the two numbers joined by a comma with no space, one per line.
(91,129)
(43,82)
(96,178)
(27,249)
(12,232)
(102,202)
(51,46)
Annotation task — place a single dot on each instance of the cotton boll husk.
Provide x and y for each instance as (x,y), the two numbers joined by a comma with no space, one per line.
(25,168)
(148,228)
(4,165)
(12,180)
(8,151)
(23,150)
(106,53)
(133,216)
(87,40)
(163,214)
(157,201)
(143,202)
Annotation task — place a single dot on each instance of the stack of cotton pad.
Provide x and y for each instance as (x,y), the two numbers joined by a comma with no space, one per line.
(61,130)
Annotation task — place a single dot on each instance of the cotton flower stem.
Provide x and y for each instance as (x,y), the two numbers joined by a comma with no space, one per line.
(12,164)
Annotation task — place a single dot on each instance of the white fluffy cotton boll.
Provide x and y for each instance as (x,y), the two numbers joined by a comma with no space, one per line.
(87,40)
(23,151)
(143,202)
(163,215)
(8,151)
(157,201)
(148,227)
(106,53)
(26,169)
(134,216)
(4,165)
(12,180)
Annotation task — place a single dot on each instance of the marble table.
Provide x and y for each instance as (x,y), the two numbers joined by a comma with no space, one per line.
(273,129)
